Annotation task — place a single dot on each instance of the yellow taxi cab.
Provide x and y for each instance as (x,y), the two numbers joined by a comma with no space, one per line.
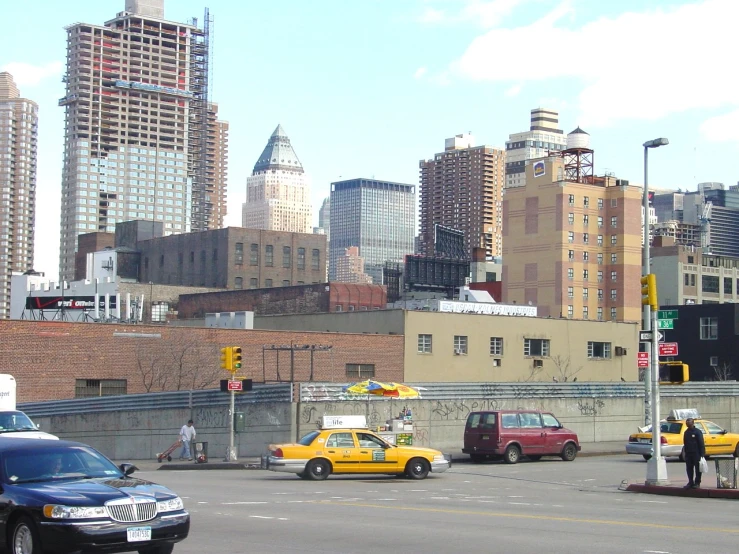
(718,440)
(344,444)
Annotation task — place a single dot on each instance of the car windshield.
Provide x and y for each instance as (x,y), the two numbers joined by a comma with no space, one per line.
(15,421)
(34,465)
(308,438)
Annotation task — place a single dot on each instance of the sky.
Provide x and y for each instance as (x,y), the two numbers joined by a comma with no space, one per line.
(367,88)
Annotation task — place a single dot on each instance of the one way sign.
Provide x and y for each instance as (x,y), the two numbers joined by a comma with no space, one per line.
(646,336)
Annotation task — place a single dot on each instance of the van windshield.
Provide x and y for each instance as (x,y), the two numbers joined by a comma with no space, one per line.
(15,421)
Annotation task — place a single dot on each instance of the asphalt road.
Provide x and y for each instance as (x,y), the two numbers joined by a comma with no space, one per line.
(545,506)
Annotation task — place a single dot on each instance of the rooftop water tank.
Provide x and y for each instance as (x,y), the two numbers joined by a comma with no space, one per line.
(578,139)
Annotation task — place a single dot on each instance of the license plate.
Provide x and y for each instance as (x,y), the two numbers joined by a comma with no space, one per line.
(136,534)
(645,440)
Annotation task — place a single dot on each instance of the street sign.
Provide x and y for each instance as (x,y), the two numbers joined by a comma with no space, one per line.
(666,314)
(645,336)
(665,324)
(660,337)
(234,385)
(642,359)
(668,349)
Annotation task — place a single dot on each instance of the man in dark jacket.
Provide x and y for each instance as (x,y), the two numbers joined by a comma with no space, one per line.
(694,449)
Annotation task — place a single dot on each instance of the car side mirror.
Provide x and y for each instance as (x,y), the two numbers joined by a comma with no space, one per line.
(723,432)
(128,469)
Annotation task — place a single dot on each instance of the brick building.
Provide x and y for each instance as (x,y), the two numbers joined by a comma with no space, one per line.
(303,299)
(60,360)
(234,258)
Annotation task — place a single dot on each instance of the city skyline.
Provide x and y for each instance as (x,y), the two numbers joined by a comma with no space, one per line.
(618,93)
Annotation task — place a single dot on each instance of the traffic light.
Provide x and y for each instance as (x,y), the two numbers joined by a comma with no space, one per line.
(649,291)
(235,358)
(673,373)
(227,358)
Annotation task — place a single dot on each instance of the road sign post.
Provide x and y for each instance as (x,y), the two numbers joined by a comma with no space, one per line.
(668,349)
(666,314)
(665,324)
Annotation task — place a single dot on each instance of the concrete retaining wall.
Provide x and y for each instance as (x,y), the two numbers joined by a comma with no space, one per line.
(438,423)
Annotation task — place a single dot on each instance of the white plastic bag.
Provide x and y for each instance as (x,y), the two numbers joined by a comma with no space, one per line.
(703,465)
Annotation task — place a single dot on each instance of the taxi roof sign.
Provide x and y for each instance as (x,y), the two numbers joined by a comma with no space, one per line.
(343,422)
(684,413)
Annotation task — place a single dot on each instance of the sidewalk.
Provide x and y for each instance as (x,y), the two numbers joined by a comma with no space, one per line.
(679,490)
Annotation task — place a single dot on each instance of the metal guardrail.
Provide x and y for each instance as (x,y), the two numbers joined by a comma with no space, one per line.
(157,400)
(327,392)
(331,392)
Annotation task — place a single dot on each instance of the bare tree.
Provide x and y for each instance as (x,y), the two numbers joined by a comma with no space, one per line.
(150,368)
(181,363)
(564,371)
(723,372)
(534,372)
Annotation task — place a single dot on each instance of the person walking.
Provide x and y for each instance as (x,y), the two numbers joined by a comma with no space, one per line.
(694,449)
(187,434)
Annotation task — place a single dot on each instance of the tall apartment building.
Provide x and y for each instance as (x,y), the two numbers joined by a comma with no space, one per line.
(572,242)
(18,135)
(543,137)
(324,219)
(137,142)
(462,188)
(278,190)
(375,216)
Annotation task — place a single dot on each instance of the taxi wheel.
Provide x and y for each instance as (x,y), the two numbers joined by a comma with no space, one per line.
(25,538)
(646,456)
(417,468)
(318,470)
(736,451)
(303,475)
(512,454)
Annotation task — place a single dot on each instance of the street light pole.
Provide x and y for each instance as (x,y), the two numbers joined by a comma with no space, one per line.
(656,466)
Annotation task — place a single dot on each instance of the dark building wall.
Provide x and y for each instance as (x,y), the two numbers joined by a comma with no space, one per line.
(129,233)
(493,288)
(696,351)
(235,258)
(307,299)
(87,244)
(304,299)
(131,352)
(128,264)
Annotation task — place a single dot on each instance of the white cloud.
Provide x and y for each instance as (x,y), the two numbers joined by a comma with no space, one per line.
(633,66)
(420,72)
(486,13)
(27,74)
(513,91)
(722,127)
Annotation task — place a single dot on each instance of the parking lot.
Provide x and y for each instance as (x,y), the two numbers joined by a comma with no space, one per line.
(549,505)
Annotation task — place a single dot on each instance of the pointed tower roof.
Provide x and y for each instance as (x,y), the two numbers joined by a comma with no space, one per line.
(278,154)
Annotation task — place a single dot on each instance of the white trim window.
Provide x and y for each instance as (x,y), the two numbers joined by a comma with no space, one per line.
(709,328)
(599,350)
(424,344)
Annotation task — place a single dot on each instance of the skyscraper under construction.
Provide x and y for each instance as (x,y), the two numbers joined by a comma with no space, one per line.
(142,140)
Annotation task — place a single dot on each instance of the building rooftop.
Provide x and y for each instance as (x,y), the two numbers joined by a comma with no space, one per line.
(278,154)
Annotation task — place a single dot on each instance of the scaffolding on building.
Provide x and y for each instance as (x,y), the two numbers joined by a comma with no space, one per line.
(202,205)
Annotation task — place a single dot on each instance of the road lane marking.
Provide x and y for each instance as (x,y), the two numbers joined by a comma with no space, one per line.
(652,501)
(509,515)
(240,503)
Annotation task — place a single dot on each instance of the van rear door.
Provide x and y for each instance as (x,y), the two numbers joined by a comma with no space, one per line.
(481,433)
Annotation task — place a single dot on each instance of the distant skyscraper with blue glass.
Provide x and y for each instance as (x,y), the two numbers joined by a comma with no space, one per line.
(378,217)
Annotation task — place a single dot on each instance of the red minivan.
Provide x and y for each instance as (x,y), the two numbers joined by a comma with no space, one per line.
(515,433)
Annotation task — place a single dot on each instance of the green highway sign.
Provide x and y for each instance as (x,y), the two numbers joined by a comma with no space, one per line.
(667,314)
(665,324)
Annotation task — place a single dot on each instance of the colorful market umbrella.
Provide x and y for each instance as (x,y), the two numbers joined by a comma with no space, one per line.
(366,387)
(396,390)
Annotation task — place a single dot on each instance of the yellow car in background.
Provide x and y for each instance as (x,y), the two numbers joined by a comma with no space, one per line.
(717,439)
(343,445)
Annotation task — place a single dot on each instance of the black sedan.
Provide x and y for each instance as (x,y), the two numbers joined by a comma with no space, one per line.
(61,496)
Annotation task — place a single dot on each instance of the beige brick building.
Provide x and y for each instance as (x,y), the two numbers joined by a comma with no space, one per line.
(573,248)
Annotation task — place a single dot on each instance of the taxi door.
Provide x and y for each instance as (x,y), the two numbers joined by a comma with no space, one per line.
(716,440)
(342,450)
(376,456)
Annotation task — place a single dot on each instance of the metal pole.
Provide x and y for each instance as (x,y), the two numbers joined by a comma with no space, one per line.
(231,457)
(647,319)
(657,465)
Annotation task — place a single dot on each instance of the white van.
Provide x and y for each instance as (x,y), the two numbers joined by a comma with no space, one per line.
(14,423)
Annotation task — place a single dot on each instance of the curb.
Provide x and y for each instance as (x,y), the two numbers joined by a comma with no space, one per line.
(680,491)
(209,466)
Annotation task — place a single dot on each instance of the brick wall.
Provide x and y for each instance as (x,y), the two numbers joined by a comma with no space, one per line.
(47,357)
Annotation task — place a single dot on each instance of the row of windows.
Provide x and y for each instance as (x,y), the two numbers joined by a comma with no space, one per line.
(586,257)
(269,256)
(586,202)
(531,347)
(586,275)
(586,239)
(254,283)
